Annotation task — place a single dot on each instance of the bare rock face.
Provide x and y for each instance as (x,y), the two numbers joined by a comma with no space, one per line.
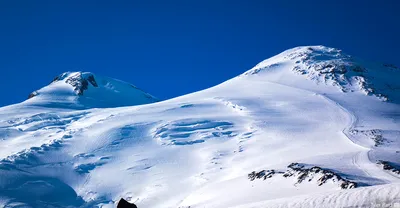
(389,166)
(374,134)
(302,174)
(81,83)
(124,204)
(33,94)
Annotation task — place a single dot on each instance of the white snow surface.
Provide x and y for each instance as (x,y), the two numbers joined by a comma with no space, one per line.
(308,105)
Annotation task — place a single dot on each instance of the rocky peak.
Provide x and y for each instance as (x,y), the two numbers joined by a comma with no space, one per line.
(86,90)
(79,80)
(330,66)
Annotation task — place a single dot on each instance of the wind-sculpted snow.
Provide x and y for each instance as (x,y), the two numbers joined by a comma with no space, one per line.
(44,121)
(27,178)
(185,132)
(43,192)
(376,196)
(284,119)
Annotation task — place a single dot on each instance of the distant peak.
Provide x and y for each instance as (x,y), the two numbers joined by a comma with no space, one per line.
(90,90)
(79,80)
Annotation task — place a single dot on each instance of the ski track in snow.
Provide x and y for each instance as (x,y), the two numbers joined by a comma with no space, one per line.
(242,111)
(360,159)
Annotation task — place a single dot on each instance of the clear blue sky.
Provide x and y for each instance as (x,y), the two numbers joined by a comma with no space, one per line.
(170,48)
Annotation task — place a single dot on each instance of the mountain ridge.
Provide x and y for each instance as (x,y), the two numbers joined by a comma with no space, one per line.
(324,65)
(274,137)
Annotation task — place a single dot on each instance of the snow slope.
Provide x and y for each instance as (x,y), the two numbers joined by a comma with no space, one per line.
(312,123)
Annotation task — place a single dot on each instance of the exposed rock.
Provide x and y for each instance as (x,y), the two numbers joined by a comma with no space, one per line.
(57,78)
(124,204)
(305,174)
(332,67)
(374,134)
(83,90)
(80,83)
(33,94)
(252,175)
(262,174)
(269,174)
(323,174)
(389,166)
(92,81)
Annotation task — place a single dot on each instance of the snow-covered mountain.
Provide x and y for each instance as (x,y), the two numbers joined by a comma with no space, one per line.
(87,90)
(310,127)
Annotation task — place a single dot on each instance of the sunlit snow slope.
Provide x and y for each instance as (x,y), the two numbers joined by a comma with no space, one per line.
(310,127)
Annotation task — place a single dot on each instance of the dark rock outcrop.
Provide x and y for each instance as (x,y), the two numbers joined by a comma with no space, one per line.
(57,78)
(374,134)
(124,204)
(389,166)
(80,83)
(33,94)
(92,81)
(262,174)
(305,174)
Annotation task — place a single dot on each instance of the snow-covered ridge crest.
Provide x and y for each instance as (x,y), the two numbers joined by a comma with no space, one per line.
(331,66)
(88,90)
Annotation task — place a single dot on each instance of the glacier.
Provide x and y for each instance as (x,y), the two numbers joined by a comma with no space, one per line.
(304,122)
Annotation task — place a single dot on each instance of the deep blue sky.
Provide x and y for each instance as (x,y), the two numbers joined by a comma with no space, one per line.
(170,49)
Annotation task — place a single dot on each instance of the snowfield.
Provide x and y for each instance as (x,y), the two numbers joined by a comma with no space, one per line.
(310,127)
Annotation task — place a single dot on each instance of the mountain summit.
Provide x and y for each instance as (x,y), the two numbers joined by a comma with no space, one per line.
(331,66)
(87,90)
